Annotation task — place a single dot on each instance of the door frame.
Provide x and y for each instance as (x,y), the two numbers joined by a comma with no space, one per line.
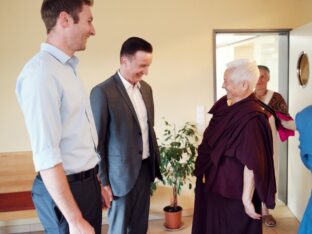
(282,86)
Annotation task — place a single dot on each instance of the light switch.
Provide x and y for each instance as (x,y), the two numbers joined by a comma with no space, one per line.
(200,118)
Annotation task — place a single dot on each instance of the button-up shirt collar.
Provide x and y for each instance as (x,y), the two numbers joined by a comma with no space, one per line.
(60,55)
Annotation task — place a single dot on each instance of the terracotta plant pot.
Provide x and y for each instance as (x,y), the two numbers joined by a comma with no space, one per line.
(173,217)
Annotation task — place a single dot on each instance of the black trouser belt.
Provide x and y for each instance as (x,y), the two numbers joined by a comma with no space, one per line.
(80,176)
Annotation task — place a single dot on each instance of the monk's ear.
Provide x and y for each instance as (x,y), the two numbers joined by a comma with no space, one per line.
(245,85)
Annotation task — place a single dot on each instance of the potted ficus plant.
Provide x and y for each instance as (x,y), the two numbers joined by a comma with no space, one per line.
(178,151)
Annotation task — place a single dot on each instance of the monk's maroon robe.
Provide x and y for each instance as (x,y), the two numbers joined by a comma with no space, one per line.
(237,135)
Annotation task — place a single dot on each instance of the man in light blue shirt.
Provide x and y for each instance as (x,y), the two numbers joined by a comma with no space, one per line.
(59,120)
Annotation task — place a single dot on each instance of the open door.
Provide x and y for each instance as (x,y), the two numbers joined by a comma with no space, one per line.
(268,48)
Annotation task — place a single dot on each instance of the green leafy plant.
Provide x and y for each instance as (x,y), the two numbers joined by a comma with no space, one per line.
(178,151)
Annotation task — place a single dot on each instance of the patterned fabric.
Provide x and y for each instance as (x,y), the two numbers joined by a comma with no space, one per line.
(278,104)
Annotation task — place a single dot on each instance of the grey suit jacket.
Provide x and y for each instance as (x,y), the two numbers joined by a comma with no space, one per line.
(120,141)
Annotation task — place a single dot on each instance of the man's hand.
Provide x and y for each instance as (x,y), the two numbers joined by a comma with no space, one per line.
(80,226)
(107,196)
(57,185)
(250,210)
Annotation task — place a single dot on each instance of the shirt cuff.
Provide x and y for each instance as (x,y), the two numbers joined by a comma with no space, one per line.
(47,159)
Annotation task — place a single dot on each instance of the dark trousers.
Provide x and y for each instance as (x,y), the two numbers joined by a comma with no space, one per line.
(87,194)
(129,213)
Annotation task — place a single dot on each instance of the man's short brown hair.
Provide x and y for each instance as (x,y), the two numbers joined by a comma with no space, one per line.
(51,9)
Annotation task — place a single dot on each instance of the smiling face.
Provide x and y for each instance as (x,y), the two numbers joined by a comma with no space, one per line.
(263,80)
(133,67)
(231,87)
(236,90)
(78,33)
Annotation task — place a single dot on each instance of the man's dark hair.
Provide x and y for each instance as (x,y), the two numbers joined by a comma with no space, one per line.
(51,9)
(264,68)
(134,44)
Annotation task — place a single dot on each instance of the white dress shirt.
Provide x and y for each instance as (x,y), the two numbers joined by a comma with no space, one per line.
(57,112)
(136,98)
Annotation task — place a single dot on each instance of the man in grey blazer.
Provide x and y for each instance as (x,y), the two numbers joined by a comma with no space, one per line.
(123,110)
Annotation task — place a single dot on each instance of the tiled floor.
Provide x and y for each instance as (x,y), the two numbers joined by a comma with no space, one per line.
(27,221)
(286,224)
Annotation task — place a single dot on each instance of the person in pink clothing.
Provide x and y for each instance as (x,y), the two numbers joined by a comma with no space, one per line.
(282,127)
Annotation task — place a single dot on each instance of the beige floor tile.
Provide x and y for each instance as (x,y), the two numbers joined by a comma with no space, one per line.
(284,226)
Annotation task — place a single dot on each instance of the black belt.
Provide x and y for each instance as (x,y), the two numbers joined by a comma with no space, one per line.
(81,175)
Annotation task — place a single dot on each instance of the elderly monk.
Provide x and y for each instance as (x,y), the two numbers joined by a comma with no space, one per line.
(234,168)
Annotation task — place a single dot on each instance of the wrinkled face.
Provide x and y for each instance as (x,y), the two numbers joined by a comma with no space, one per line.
(78,33)
(263,80)
(134,67)
(233,88)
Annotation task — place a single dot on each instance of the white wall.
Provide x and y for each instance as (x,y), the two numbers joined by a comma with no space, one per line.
(299,178)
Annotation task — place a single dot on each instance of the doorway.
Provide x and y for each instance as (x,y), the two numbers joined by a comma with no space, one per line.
(266,47)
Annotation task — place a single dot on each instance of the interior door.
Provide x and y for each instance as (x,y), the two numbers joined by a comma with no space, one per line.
(268,48)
